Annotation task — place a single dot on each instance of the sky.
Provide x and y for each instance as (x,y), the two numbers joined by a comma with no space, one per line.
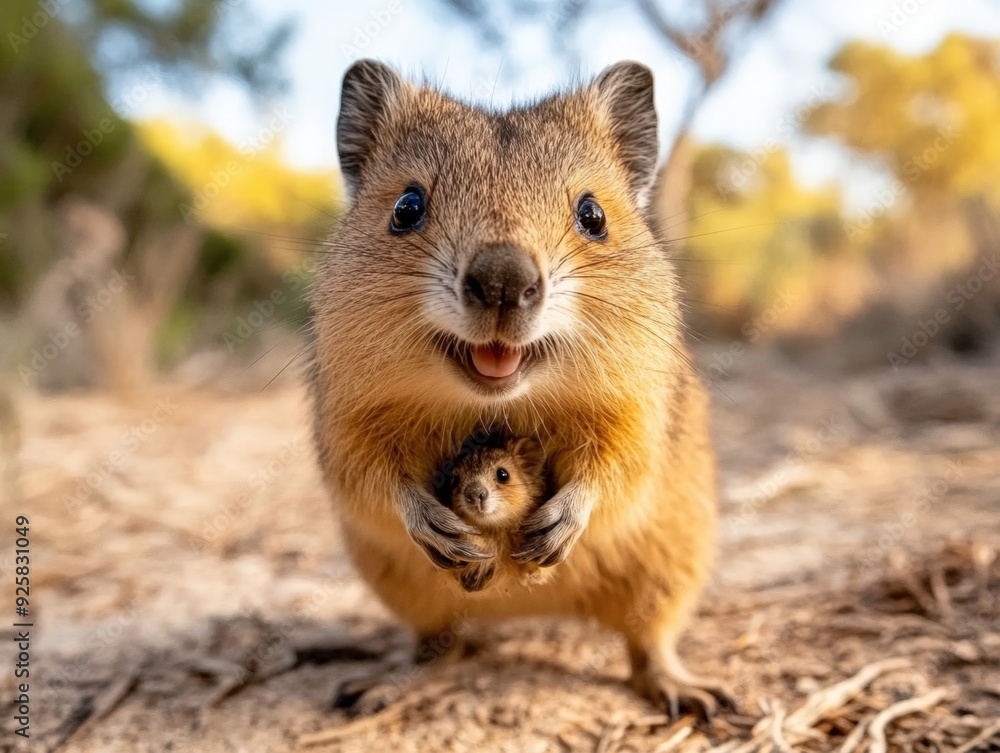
(782,69)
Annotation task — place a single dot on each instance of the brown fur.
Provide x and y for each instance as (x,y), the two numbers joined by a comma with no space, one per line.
(609,392)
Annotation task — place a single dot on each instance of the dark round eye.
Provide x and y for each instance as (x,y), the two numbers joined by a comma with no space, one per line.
(502,476)
(590,219)
(410,210)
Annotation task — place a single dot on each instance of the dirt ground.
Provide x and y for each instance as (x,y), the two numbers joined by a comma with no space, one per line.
(190,593)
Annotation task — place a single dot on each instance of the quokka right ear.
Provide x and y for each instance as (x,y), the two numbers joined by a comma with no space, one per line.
(529,450)
(368,89)
(625,91)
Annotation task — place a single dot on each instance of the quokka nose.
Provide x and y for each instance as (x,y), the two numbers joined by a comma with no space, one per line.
(475,495)
(502,277)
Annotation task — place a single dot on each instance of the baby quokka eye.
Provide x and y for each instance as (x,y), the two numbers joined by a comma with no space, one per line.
(590,220)
(502,476)
(409,211)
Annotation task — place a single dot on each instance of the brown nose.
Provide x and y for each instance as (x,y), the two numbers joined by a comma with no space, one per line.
(502,277)
(475,496)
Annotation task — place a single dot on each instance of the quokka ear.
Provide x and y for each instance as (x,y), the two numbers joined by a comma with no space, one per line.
(625,94)
(531,455)
(369,88)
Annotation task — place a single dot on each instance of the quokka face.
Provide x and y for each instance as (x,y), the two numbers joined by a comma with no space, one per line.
(490,256)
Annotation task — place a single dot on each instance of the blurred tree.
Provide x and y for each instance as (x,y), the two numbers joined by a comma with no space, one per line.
(190,41)
(260,191)
(930,122)
(765,255)
(929,119)
(71,168)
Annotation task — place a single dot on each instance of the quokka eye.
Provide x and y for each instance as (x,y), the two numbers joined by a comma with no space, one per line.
(409,211)
(502,476)
(590,220)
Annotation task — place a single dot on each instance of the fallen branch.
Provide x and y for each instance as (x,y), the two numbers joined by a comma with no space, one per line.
(853,740)
(100,707)
(674,740)
(391,713)
(828,699)
(884,718)
(986,734)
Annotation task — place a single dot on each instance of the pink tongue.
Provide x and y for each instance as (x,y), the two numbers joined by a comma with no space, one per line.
(496,360)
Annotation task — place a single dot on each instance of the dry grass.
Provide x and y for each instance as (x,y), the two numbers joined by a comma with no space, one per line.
(198,598)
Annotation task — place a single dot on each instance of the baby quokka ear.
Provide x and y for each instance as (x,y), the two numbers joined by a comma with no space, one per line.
(368,91)
(624,94)
(529,452)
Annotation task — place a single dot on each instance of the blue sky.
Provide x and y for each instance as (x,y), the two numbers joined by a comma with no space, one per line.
(783,66)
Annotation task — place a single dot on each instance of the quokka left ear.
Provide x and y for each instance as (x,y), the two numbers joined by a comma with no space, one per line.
(625,94)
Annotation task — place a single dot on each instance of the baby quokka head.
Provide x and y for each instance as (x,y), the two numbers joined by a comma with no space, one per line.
(502,246)
(495,485)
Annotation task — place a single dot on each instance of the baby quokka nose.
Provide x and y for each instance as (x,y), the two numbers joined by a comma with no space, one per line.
(476,495)
(502,277)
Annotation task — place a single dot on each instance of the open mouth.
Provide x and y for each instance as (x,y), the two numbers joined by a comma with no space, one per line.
(492,366)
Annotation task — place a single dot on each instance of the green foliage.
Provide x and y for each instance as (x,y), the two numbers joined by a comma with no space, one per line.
(189,40)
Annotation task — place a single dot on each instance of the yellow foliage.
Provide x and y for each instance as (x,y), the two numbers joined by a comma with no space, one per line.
(238,188)
(760,240)
(756,237)
(934,119)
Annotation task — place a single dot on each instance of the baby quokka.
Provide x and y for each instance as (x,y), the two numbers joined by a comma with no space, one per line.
(494,482)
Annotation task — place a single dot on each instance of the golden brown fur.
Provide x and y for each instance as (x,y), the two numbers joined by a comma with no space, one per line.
(608,390)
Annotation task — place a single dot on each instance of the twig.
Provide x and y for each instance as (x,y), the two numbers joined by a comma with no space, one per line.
(939,590)
(778,719)
(332,734)
(729,747)
(242,679)
(982,737)
(612,734)
(674,740)
(882,720)
(853,740)
(835,696)
(903,572)
(103,705)
(430,690)
(655,720)
(982,557)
